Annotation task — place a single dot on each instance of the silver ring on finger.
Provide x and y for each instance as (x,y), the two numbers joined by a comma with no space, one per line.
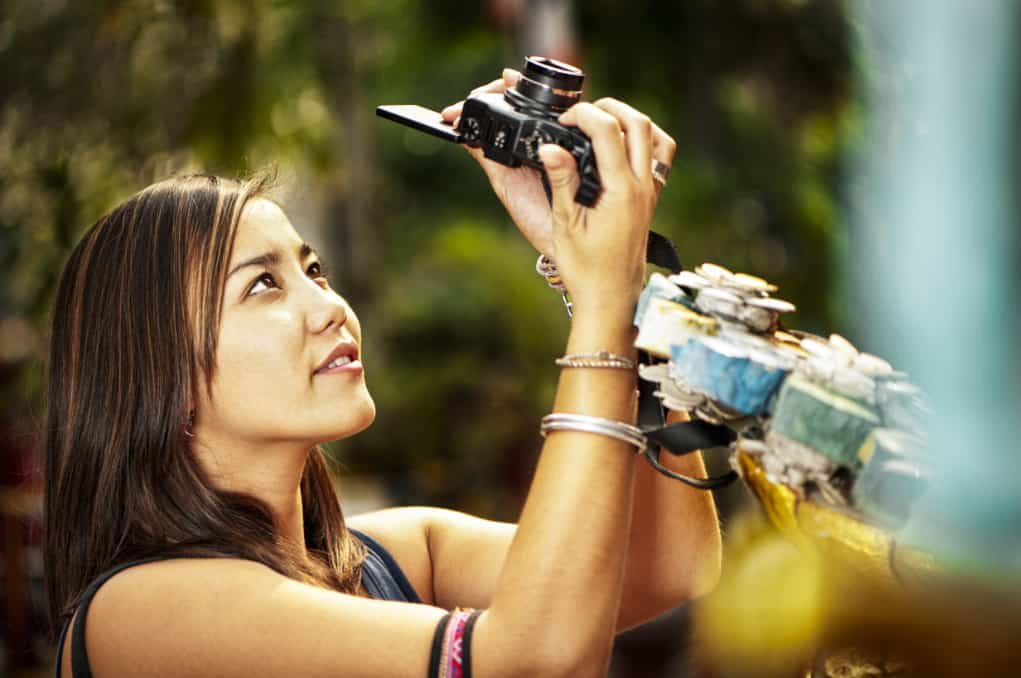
(660,172)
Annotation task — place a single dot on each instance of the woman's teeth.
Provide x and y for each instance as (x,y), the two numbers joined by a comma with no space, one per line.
(343,360)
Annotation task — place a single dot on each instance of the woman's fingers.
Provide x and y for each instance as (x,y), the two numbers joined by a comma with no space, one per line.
(607,139)
(663,145)
(511,77)
(451,112)
(637,129)
(623,138)
(663,149)
(508,79)
(492,86)
(562,172)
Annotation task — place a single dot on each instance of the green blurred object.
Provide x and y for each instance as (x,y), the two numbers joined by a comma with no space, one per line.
(100,99)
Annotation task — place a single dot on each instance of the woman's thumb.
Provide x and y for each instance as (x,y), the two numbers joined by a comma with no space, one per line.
(562,172)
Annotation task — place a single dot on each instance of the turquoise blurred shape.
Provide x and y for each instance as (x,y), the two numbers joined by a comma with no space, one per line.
(935,256)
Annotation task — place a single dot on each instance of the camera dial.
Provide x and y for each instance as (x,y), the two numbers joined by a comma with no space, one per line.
(471,129)
(533,141)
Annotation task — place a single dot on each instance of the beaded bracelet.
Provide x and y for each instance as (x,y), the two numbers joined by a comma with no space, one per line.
(545,267)
(451,649)
(596,359)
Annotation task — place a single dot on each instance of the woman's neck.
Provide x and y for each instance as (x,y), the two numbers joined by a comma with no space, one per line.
(271,473)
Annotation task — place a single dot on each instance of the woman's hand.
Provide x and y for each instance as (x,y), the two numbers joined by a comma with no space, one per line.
(600,251)
(631,142)
(518,188)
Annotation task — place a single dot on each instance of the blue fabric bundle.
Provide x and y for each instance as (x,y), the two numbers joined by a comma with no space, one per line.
(729,373)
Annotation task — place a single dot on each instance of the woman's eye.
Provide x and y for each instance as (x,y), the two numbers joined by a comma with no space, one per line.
(264,279)
(316,271)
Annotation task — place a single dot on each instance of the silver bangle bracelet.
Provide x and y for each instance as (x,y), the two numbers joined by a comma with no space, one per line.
(596,359)
(564,421)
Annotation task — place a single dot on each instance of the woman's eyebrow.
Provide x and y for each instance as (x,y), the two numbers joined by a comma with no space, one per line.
(305,250)
(272,258)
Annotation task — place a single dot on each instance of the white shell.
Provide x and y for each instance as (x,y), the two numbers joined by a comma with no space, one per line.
(771,304)
(872,364)
(749,283)
(843,346)
(690,280)
(817,348)
(713,272)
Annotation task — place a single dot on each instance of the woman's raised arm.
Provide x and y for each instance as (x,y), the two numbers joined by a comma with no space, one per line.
(674,550)
(564,569)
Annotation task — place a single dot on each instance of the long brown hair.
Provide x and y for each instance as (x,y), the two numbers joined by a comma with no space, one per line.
(120,480)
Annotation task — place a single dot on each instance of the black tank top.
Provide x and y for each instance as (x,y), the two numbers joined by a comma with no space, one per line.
(381,575)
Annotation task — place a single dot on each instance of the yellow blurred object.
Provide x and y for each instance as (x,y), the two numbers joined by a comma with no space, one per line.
(860,545)
(765,615)
(814,590)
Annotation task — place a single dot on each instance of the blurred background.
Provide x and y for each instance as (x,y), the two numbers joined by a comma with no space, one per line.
(100,98)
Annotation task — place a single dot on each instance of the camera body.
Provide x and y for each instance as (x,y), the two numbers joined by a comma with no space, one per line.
(512,134)
(510,127)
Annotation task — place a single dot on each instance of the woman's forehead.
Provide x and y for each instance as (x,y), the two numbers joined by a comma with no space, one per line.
(264,227)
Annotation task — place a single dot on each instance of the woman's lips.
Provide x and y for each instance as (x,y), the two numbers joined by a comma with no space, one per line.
(354,367)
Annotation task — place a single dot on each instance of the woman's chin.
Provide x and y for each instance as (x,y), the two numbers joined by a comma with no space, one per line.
(367,421)
(355,425)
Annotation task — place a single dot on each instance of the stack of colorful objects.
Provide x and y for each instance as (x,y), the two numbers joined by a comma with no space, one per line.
(823,419)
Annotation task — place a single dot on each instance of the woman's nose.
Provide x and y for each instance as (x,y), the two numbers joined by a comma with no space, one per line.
(326,311)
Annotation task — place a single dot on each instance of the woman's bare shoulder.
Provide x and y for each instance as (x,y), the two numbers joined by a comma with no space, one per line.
(227,617)
(452,558)
(403,531)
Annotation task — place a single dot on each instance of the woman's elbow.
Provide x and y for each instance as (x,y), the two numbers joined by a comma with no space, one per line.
(560,651)
(700,575)
(707,571)
(708,564)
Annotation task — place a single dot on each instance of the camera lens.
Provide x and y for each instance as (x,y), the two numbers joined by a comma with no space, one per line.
(547,87)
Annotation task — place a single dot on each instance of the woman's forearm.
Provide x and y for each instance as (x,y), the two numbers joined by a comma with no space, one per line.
(674,546)
(559,590)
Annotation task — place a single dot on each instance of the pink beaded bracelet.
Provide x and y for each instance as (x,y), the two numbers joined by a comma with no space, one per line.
(451,650)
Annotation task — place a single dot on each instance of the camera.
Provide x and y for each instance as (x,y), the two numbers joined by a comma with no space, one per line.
(510,127)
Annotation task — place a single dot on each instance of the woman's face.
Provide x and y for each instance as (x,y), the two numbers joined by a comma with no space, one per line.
(281,324)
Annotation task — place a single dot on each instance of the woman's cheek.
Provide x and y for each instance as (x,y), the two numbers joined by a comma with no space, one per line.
(248,369)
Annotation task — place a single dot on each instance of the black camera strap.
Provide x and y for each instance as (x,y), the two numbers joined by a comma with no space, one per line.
(683,437)
(680,438)
(661,252)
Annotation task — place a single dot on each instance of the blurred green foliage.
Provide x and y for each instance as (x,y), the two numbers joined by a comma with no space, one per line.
(100,98)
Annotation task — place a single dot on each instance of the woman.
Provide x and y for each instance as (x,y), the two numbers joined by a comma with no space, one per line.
(199,356)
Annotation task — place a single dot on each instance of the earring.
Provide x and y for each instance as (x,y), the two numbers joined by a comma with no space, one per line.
(191,422)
